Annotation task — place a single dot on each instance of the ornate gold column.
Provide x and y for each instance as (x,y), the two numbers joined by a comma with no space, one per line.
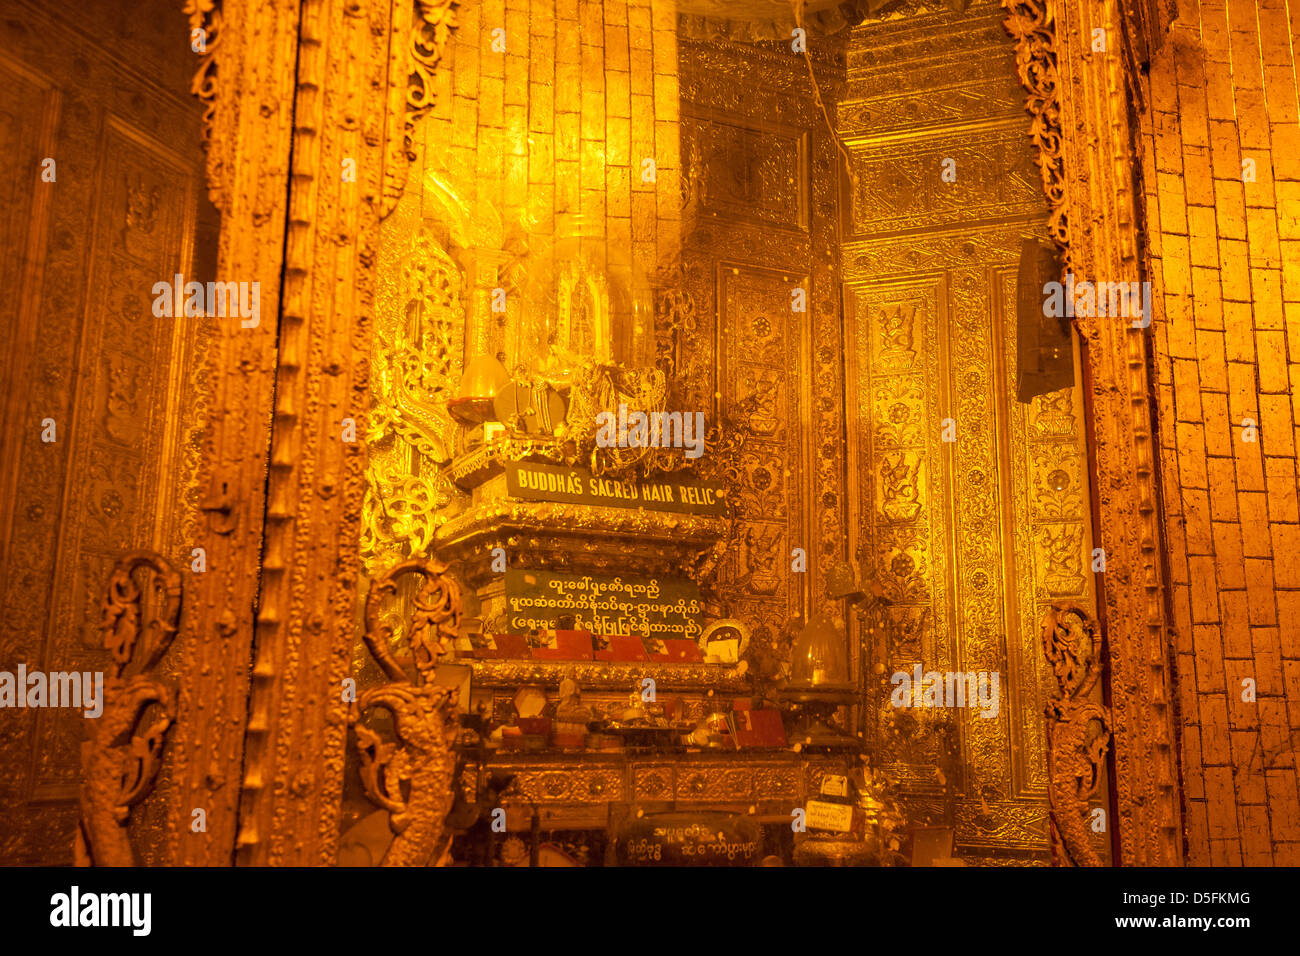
(306,622)
(1079,97)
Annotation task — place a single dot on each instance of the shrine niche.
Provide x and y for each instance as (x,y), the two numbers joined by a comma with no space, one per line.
(627,604)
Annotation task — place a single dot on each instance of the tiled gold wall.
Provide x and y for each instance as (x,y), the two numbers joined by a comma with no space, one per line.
(551,109)
(1221,173)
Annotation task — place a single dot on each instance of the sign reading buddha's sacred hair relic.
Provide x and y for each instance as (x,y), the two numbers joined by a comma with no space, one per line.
(536,482)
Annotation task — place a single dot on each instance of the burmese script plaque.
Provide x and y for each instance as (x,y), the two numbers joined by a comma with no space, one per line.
(536,482)
(688,839)
(824,815)
(661,607)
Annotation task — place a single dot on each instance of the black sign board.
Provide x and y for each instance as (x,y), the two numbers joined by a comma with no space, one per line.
(537,482)
(1044,344)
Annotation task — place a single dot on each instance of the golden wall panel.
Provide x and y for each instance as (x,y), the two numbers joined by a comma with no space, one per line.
(760,192)
(915,111)
(898,406)
(85,349)
(900,186)
(760,364)
(975,535)
(743,171)
(1049,525)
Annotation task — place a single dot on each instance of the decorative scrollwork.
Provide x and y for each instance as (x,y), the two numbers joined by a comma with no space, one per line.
(435,19)
(400,512)
(122,611)
(205,34)
(1070,642)
(420,34)
(420,761)
(411,775)
(1033,25)
(121,759)
(603,390)
(433,624)
(1078,729)
(418,360)
(410,434)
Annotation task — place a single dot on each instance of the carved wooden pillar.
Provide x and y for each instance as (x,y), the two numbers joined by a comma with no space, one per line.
(302,154)
(1079,97)
(247,83)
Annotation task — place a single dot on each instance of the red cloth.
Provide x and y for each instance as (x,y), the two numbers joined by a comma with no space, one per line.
(622,648)
(673,649)
(564,646)
(503,646)
(759,728)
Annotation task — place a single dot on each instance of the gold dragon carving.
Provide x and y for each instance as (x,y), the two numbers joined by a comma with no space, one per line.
(410,776)
(121,758)
(1078,729)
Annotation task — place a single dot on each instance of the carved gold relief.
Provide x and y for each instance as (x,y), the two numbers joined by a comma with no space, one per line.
(778,371)
(900,486)
(90,356)
(994,175)
(943,359)
(1032,23)
(1087,162)
(420,31)
(759,373)
(411,775)
(121,760)
(761,549)
(419,344)
(742,172)
(206,32)
(783,382)
(1078,729)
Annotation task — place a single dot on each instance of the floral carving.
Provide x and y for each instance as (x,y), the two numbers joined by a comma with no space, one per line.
(1032,23)
(205,35)
(421,31)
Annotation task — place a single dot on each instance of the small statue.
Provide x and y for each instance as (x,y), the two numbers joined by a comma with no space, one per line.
(635,711)
(571,714)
